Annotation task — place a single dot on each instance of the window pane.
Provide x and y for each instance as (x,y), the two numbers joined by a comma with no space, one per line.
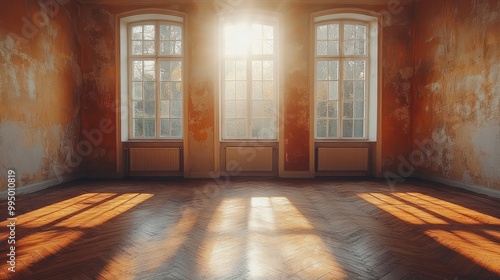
(149,47)
(149,90)
(358,128)
(349,70)
(137,32)
(349,47)
(347,128)
(321,70)
(333,47)
(321,109)
(138,109)
(332,128)
(176,109)
(149,32)
(268,70)
(333,90)
(360,32)
(230,91)
(321,128)
(268,90)
(138,127)
(137,90)
(359,90)
(137,47)
(348,89)
(240,108)
(176,33)
(360,47)
(241,90)
(257,70)
(268,46)
(321,32)
(176,90)
(241,70)
(165,90)
(333,70)
(164,32)
(149,70)
(165,109)
(333,109)
(321,48)
(230,109)
(176,127)
(235,128)
(321,90)
(333,32)
(137,70)
(359,109)
(349,31)
(149,128)
(359,70)
(257,90)
(165,127)
(348,110)
(149,109)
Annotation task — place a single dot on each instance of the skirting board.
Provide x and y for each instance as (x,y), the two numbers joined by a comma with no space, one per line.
(460,185)
(41,185)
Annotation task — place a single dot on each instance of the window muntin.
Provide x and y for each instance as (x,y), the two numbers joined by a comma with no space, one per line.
(249,94)
(155,83)
(341,80)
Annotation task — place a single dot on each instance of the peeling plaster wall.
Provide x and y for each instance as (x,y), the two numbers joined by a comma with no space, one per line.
(201,68)
(99,83)
(40,91)
(457,90)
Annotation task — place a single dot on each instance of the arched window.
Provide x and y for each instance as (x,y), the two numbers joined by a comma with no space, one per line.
(345,88)
(152,51)
(249,84)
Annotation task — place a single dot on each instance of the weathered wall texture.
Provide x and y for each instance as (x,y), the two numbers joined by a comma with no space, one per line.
(457,90)
(40,91)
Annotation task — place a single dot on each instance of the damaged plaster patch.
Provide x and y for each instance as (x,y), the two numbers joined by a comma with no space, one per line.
(485,142)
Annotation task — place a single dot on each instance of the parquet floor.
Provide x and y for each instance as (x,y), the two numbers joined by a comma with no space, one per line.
(254,229)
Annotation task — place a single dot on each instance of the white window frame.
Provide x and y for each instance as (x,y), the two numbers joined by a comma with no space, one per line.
(126,79)
(370,133)
(249,57)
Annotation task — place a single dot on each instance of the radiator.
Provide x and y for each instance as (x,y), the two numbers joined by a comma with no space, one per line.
(155,159)
(343,159)
(254,159)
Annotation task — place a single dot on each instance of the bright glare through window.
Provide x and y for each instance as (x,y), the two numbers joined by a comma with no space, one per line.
(249,95)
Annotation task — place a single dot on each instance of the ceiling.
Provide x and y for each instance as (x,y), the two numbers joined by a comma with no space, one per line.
(296,2)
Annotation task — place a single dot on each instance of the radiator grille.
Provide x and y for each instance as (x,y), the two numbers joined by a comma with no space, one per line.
(343,159)
(155,159)
(254,159)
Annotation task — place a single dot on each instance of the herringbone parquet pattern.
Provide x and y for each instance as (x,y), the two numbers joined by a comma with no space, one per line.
(254,229)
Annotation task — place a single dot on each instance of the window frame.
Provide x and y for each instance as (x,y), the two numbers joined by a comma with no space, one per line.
(372,62)
(157,58)
(248,57)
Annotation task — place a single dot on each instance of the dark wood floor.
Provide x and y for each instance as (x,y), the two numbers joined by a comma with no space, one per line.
(254,229)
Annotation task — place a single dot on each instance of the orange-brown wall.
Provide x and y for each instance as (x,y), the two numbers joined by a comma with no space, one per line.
(457,90)
(98,27)
(40,91)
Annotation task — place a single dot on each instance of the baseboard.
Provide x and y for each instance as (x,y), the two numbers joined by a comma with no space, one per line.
(42,185)
(296,174)
(456,184)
